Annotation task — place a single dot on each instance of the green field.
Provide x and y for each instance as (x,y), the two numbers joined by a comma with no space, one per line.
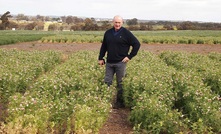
(50,92)
(45,92)
(12,37)
(148,37)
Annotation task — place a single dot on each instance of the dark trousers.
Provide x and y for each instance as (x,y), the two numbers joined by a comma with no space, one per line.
(119,69)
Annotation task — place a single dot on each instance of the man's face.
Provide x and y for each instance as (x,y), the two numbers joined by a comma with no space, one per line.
(117,23)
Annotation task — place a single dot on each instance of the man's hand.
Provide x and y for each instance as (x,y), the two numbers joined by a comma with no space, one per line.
(125,60)
(101,62)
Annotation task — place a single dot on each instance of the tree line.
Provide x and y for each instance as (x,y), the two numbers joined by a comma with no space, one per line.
(73,23)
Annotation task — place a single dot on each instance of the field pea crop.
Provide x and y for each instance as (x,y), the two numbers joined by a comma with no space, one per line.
(170,92)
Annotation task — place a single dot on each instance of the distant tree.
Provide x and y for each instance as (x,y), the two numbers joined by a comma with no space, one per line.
(187,25)
(105,25)
(207,26)
(55,19)
(133,21)
(30,26)
(63,18)
(69,20)
(5,20)
(40,18)
(47,18)
(88,21)
(133,27)
(146,26)
(52,27)
(21,17)
(168,27)
(77,20)
(143,26)
(89,25)
(93,20)
(76,27)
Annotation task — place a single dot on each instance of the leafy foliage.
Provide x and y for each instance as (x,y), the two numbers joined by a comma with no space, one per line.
(174,92)
(62,99)
(172,95)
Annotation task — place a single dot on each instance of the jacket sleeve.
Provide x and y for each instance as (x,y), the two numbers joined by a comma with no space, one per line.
(103,50)
(135,45)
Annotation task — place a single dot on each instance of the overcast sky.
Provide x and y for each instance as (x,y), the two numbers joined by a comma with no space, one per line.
(184,10)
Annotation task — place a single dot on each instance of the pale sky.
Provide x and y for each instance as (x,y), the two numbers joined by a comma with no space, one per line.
(176,10)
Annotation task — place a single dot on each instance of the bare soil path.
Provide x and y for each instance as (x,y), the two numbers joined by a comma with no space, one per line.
(117,122)
(155,48)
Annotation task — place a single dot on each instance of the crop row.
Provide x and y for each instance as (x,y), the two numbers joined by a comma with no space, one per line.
(69,98)
(72,39)
(207,67)
(173,92)
(148,37)
(142,39)
(166,99)
(18,69)
(12,37)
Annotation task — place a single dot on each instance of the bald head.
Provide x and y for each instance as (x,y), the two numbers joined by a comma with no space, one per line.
(118,17)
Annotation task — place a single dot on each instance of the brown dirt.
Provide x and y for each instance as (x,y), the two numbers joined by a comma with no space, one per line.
(117,122)
(155,48)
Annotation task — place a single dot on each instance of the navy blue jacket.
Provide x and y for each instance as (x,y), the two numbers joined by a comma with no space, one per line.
(117,45)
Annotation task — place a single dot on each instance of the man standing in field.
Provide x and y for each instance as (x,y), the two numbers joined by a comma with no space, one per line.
(117,42)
